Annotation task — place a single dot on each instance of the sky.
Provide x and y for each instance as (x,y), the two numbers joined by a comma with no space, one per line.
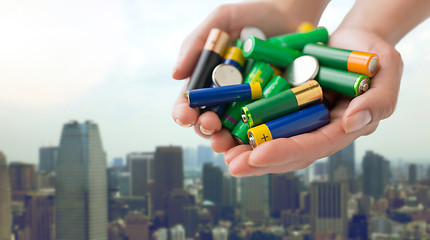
(111,62)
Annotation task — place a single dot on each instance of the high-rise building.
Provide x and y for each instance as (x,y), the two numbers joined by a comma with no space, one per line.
(412,174)
(5,200)
(118,162)
(22,176)
(229,191)
(124,184)
(40,215)
(212,186)
(329,208)
(285,193)
(191,220)
(137,226)
(48,157)
(168,174)
(81,184)
(190,159)
(375,174)
(176,201)
(255,199)
(140,171)
(342,159)
(358,227)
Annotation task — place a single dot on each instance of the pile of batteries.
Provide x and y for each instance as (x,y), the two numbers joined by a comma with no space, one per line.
(281,94)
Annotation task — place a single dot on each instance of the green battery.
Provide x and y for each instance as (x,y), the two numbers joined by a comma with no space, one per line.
(266,51)
(277,84)
(344,59)
(289,101)
(238,43)
(261,72)
(298,40)
(344,82)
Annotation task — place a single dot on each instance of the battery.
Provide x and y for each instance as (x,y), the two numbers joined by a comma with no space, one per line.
(269,52)
(234,56)
(304,68)
(252,31)
(298,40)
(225,94)
(210,57)
(344,82)
(289,101)
(226,74)
(305,27)
(261,72)
(276,85)
(344,59)
(303,121)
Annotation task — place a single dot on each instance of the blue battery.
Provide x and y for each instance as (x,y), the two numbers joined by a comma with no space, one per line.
(226,94)
(303,121)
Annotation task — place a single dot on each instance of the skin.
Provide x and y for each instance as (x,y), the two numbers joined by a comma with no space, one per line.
(386,22)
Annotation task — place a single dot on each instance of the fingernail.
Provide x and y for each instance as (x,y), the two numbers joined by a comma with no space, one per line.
(206,131)
(183,124)
(357,121)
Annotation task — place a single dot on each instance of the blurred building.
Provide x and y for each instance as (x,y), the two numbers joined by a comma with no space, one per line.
(137,226)
(168,174)
(141,165)
(177,200)
(22,176)
(329,208)
(285,193)
(255,199)
(412,174)
(191,220)
(341,167)
(118,162)
(213,186)
(81,184)
(204,155)
(376,173)
(5,200)
(48,157)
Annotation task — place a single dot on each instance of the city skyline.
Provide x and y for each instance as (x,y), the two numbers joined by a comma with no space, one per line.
(71,75)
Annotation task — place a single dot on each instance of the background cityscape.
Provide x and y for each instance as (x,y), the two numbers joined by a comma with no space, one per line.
(176,193)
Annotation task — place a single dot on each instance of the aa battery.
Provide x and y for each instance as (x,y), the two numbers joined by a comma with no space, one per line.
(210,57)
(305,27)
(252,31)
(303,121)
(261,72)
(234,56)
(298,40)
(344,82)
(268,52)
(303,69)
(276,85)
(289,101)
(226,94)
(353,61)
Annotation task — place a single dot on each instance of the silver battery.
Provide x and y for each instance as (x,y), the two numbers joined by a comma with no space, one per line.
(252,31)
(226,74)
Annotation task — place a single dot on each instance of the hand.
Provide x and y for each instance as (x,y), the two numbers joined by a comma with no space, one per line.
(350,118)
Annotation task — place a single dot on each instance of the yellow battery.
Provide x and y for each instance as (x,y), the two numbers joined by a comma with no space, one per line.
(305,27)
(260,134)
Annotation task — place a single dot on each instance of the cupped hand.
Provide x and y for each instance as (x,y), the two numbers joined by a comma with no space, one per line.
(349,118)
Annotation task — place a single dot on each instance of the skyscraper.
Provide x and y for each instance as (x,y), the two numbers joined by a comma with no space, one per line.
(48,157)
(168,174)
(137,226)
(412,174)
(342,159)
(22,176)
(5,200)
(255,199)
(375,174)
(140,171)
(39,215)
(81,184)
(177,200)
(329,208)
(285,193)
(212,186)
(204,155)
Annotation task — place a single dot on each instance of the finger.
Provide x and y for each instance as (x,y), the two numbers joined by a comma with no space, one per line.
(208,123)
(234,152)
(380,100)
(222,141)
(182,113)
